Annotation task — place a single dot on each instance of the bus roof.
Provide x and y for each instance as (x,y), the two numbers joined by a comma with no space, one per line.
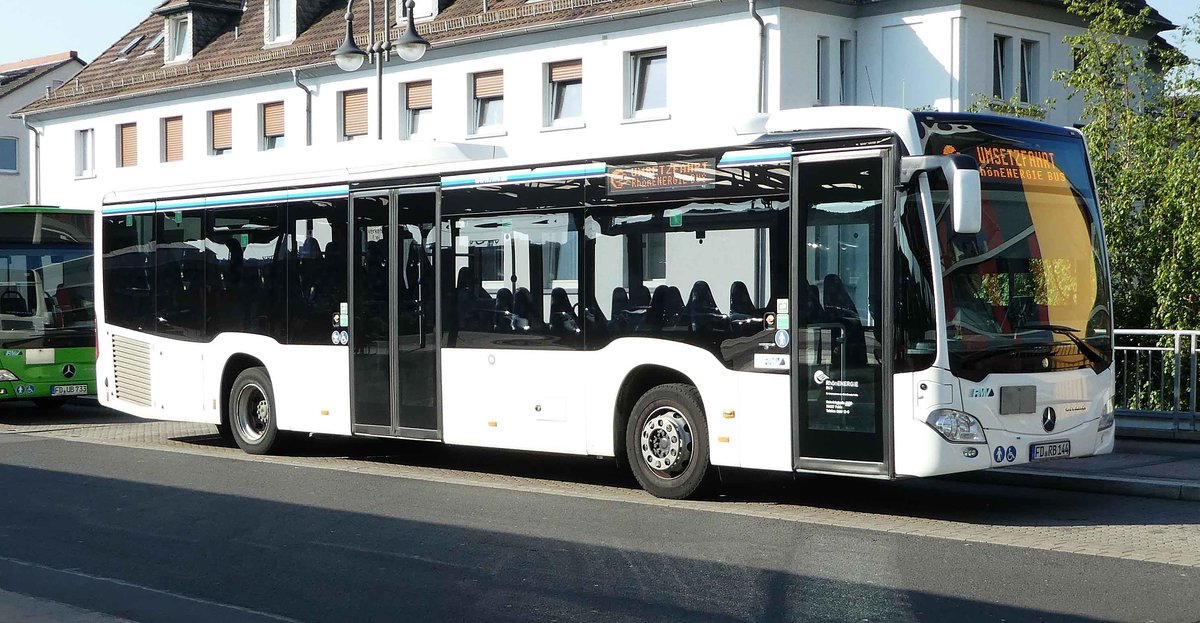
(33,209)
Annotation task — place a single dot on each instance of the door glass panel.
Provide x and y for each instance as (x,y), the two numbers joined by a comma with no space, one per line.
(414,283)
(838,306)
(372,395)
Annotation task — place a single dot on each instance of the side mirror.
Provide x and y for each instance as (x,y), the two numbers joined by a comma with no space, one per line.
(962,173)
(967,194)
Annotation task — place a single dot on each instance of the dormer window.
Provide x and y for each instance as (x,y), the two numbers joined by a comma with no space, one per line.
(179,38)
(280,21)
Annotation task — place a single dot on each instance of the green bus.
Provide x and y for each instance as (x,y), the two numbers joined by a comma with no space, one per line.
(47,317)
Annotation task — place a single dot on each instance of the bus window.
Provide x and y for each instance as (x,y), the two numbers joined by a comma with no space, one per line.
(316,268)
(703,272)
(128,266)
(246,272)
(179,289)
(516,282)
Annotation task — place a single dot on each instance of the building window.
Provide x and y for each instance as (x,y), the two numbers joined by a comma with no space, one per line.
(846,71)
(271,119)
(418,108)
(129,47)
(648,81)
(487,93)
(654,256)
(354,114)
(822,70)
(220,131)
(1000,66)
(8,154)
(172,139)
(127,145)
(565,93)
(85,153)
(280,21)
(1029,62)
(179,38)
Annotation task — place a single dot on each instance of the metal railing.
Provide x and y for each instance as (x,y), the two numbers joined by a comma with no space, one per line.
(1156,380)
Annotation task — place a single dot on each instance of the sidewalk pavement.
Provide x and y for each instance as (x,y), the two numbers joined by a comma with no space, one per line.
(1137,467)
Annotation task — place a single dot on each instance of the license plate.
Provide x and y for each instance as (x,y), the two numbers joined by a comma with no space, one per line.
(68,390)
(1052,450)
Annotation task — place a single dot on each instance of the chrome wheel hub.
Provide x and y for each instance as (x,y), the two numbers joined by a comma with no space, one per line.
(666,442)
(253,412)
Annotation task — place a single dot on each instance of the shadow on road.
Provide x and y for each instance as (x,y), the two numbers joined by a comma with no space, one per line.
(76,411)
(932,498)
(356,550)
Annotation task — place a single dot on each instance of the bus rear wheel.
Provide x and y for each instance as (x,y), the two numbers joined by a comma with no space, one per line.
(252,411)
(666,442)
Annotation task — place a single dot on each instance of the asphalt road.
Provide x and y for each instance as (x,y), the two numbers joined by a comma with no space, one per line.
(103,519)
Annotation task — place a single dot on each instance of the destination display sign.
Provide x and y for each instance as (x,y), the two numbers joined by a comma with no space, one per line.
(1024,165)
(661,176)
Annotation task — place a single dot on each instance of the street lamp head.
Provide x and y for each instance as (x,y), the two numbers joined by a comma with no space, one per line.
(349,56)
(411,46)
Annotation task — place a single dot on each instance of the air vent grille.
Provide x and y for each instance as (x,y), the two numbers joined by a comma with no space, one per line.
(131,370)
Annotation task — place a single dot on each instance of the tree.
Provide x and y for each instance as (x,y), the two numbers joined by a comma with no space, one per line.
(1141,111)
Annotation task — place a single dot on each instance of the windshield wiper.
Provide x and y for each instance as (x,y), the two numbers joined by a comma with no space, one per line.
(1072,334)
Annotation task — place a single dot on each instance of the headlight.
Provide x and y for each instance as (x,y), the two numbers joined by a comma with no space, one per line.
(956,426)
(5,375)
(1108,415)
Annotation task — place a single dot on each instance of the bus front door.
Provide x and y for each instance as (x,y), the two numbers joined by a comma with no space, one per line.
(394,362)
(837,318)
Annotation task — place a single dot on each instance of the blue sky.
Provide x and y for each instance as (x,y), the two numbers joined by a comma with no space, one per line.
(40,27)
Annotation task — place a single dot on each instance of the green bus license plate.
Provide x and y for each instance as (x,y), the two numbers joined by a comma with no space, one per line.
(1052,450)
(68,390)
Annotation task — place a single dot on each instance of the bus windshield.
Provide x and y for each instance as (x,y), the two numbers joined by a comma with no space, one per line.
(1030,291)
(46,296)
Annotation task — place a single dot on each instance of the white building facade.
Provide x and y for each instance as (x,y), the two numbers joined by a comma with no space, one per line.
(196,96)
(22,82)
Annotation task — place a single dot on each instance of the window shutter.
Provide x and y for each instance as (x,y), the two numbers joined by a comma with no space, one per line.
(222,129)
(129,145)
(173,132)
(354,112)
(419,95)
(489,84)
(566,70)
(272,119)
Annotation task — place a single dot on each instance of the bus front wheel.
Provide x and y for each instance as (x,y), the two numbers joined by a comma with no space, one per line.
(252,411)
(666,441)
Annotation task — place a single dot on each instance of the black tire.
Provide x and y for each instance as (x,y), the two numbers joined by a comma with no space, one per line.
(666,442)
(51,404)
(226,432)
(252,411)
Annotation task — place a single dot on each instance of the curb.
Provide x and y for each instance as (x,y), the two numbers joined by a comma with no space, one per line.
(1091,483)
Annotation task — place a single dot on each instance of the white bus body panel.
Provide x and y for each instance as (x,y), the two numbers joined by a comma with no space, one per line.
(491,399)
(311,383)
(1077,396)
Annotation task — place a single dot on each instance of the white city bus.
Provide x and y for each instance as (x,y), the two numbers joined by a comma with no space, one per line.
(914,294)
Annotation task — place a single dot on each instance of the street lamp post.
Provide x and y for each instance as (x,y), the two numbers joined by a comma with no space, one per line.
(410,47)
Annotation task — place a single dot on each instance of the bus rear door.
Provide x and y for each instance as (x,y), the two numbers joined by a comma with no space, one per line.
(392,328)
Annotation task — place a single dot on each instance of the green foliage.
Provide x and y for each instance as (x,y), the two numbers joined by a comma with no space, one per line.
(1142,126)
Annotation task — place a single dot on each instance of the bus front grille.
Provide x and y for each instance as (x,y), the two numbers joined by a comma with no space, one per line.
(131,370)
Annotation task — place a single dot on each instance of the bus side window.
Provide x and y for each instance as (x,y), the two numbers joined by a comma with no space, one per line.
(517,283)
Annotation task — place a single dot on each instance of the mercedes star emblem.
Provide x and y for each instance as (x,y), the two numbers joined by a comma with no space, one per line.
(68,371)
(1048,419)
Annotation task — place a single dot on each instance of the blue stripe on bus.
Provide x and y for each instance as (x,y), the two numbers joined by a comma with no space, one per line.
(523,175)
(326,192)
(755,156)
